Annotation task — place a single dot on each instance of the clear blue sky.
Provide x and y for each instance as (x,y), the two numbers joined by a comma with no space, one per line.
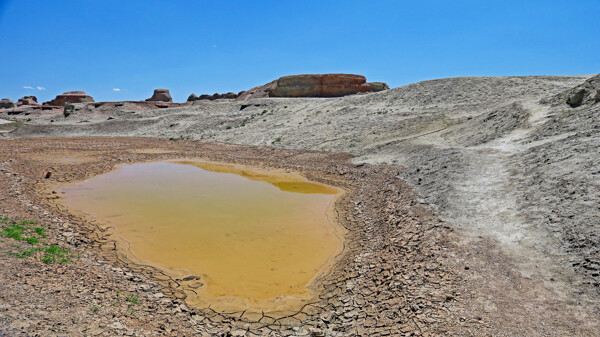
(220,46)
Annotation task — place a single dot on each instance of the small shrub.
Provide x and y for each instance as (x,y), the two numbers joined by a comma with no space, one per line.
(276,140)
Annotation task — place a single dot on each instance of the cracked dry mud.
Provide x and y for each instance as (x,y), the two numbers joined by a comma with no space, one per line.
(381,284)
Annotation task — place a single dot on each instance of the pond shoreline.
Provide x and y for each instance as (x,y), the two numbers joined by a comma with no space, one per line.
(380,271)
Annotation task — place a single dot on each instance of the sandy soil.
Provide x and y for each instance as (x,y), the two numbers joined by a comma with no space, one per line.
(505,167)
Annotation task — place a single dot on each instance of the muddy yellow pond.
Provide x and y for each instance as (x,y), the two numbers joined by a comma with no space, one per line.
(250,239)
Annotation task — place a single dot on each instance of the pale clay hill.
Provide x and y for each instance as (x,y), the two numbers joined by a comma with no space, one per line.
(500,158)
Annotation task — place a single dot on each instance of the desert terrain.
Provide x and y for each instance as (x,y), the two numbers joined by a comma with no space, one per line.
(472,209)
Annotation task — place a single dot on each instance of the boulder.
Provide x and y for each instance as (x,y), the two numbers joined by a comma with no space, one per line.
(70,97)
(378,86)
(160,95)
(230,95)
(319,85)
(6,103)
(577,97)
(192,97)
(68,109)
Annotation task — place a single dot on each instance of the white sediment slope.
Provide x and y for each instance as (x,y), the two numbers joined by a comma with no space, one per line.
(499,158)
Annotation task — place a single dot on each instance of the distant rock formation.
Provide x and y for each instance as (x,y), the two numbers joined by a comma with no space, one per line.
(378,86)
(229,95)
(160,95)
(319,85)
(31,98)
(256,92)
(314,85)
(27,100)
(70,97)
(7,103)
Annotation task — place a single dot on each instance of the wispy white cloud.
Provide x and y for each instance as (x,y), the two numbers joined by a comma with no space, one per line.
(116,89)
(27,87)
(41,88)
(32,88)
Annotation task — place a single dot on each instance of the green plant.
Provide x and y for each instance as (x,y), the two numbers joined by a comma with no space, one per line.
(94,309)
(25,253)
(40,231)
(276,140)
(229,127)
(27,222)
(3,220)
(55,254)
(32,240)
(14,231)
(133,299)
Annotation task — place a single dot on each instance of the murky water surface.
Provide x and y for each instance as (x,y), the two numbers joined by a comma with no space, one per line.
(254,239)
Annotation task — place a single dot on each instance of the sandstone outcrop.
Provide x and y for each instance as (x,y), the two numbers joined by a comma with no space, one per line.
(27,100)
(229,95)
(319,85)
(378,86)
(6,103)
(160,95)
(313,85)
(256,92)
(70,97)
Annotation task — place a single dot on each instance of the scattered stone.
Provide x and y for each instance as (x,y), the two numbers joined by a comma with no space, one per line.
(160,95)
(118,326)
